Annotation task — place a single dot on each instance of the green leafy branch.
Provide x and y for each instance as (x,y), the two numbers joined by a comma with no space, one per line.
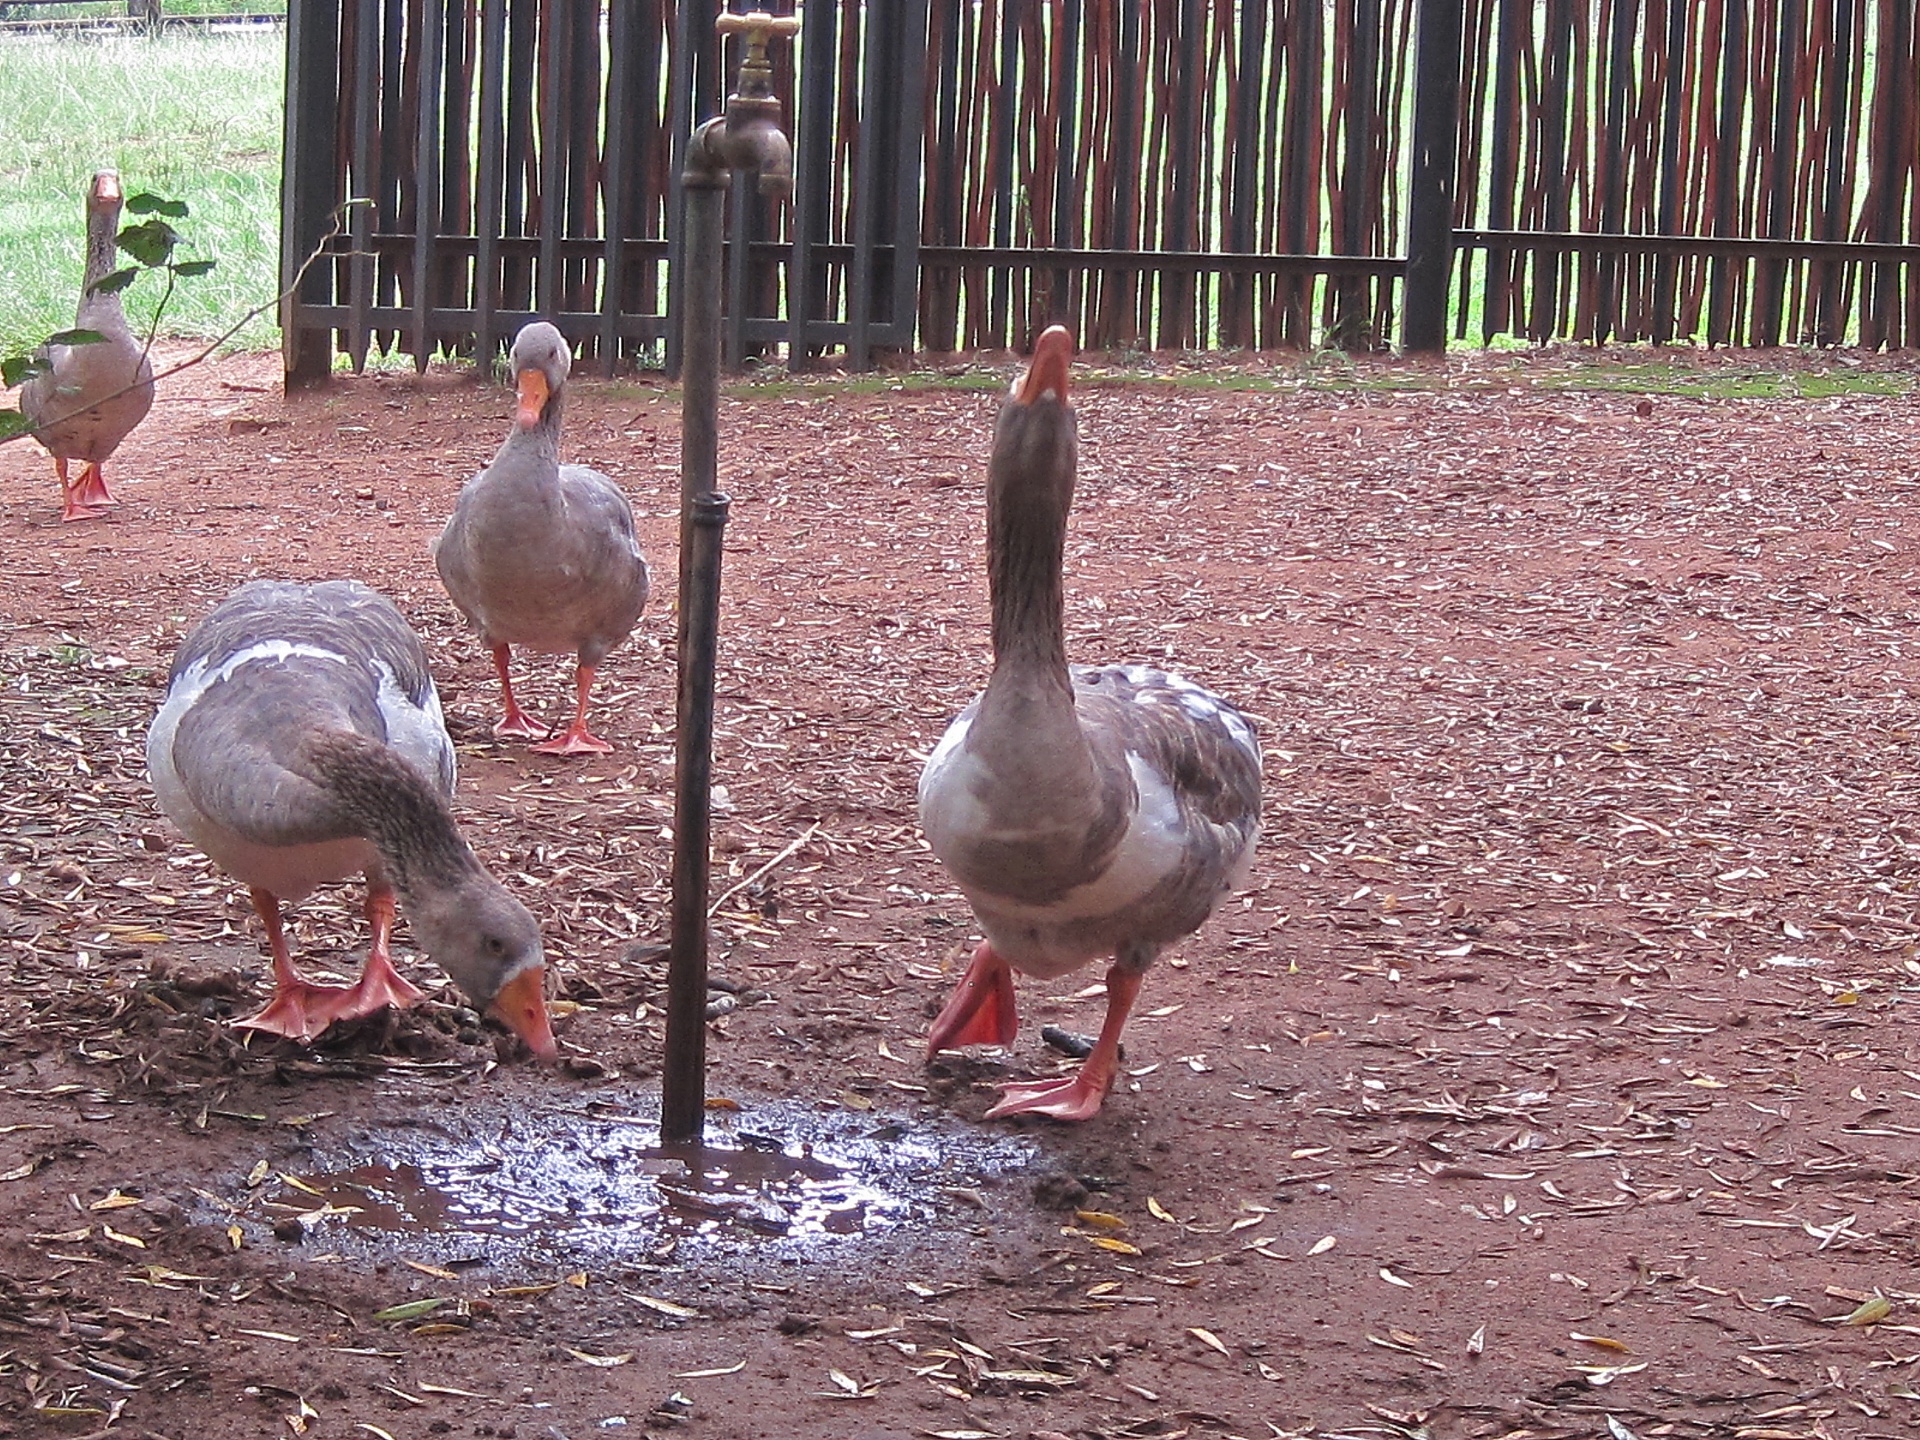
(151,244)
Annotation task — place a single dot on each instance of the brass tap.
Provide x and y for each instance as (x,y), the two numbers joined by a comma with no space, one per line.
(760,27)
(747,137)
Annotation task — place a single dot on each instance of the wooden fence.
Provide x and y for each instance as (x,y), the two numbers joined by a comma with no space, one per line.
(1163,173)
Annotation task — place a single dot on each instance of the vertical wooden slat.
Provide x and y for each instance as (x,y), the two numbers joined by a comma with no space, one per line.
(1176,287)
(426,184)
(1066,45)
(908,173)
(1430,205)
(314,76)
(366,183)
(1892,145)
(488,214)
(1001,136)
(615,181)
(1300,150)
(1119,326)
(1497,304)
(1237,300)
(522,62)
(866,181)
(1725,182)
(940,303)
(1771,282)
(1613,164)
(813,180)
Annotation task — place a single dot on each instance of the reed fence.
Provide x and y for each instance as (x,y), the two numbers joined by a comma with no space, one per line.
(1163,173)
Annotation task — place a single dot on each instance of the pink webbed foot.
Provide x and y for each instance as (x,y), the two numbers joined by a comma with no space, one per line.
(578,740)
(92,487)
(1080,1097)
(299,1010)
(379,986)
(518,725)
(1076,1097)
(981,1010)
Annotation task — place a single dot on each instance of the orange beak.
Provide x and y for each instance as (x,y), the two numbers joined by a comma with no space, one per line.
(533,398)
(106,188)
(1052,354)
(521,1006)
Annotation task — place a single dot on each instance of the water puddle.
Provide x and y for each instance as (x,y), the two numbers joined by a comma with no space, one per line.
(595,1185)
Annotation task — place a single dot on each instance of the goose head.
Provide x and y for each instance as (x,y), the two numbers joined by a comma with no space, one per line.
(104,195)
(1034,440)
(540,360)
(489,943)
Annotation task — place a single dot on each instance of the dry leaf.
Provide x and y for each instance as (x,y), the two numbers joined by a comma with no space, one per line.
(1872,1310)
(1159,1211)
(1393,1279)
(604,1362)
(1209,1339)
(411,1310)
(1100,1219)
(1322,1245)
(733,1369)
(666,1307)
(1602,1341)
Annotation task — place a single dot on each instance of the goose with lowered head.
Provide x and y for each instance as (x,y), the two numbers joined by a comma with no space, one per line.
(1085,812)
(301,742)
(540,554)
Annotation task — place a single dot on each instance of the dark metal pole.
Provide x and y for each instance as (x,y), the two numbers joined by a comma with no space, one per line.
(747,137)
(1436,141)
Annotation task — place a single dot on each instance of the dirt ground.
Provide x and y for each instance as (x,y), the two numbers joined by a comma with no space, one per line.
(1553,1079)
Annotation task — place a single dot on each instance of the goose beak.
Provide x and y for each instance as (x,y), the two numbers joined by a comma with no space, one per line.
(522,1007)
(106,189)
(1047,375)
(533,398)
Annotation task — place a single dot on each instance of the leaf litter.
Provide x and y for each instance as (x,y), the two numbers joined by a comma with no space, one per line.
(1570,992)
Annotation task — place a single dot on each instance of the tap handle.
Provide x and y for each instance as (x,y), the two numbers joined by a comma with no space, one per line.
(760,27)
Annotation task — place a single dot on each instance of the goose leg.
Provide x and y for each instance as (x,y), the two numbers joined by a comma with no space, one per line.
(92,487)
(981,1010)
(578,740)
(299,1009)
(517,721)
(1078,1097)
(379,985)
(70,507)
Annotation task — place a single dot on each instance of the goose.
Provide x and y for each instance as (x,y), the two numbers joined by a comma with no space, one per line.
(1085,812)
(541,554)
(301,742)
(90,397)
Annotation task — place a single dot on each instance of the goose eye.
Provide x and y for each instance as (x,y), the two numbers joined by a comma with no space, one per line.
(496,946)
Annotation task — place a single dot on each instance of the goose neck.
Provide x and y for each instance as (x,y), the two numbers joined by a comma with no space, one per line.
(394,806)
(102,256)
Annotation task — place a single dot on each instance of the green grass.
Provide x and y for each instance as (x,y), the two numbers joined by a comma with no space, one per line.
(190,115)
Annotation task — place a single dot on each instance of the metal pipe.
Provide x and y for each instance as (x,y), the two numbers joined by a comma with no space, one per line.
(747,136)
(683,1090)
